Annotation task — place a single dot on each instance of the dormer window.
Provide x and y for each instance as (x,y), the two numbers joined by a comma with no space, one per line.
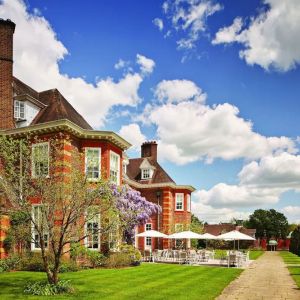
(19,110)
(147,170)
(145,173)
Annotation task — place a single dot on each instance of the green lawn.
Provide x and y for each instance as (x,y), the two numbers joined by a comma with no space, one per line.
(254,254)
(293,263)
(148,281)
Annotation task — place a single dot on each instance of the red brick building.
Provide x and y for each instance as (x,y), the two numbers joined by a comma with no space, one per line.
(147,176)
(44,114)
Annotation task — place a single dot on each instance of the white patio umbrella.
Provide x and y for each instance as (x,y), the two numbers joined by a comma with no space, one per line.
(235,235)
(152,233)
(185,235)
(207,236)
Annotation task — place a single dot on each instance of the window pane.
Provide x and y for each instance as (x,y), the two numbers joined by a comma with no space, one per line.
(114,168)
(179,201)
(40,159)
(93,230)
(93,163)
(37,214)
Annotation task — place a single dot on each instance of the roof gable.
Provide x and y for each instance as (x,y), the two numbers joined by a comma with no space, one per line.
(146,164)
(159,175)
(56,107)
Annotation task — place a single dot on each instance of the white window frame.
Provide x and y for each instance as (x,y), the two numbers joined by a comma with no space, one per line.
(96,218)
(112,237)
(33,230)
(148,226)
(18,106)
(112,153)
(33,166)
(188,203)
(177,202)
(87,149)
(146,173)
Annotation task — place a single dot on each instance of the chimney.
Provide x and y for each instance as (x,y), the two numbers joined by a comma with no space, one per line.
(149,149)
(7,29)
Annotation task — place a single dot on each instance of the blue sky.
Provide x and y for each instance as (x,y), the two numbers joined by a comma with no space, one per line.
(192,74)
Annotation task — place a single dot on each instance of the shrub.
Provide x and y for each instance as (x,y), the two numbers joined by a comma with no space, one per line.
(47,289)
(95,258)
(9,263)
(118,259)
(295,241)
(128,256)
(34,262)
(131,251)
(68,266)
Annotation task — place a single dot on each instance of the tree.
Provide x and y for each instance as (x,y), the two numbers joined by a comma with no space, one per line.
(196,226)
(268,223)
(295,241)
(65,200)
(133,210)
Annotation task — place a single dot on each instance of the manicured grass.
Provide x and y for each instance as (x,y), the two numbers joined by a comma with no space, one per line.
(293,263)
(148,281)
(254,254)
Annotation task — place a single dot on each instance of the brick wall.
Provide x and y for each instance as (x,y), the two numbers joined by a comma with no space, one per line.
(6,72)
(4,225)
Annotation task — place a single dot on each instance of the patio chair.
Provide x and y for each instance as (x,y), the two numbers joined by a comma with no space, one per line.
(182,257)
(192,257)
(232,260)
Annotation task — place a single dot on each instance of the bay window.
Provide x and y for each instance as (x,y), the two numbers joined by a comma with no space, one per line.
(93,163)
(188,203)
(114,171)
(40,160)
(179,201)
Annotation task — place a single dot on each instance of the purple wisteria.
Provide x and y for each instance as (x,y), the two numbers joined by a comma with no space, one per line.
(133,209)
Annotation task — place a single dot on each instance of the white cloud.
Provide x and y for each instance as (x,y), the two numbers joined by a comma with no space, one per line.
(225,195)
(132,133)
(178,90)
(260,183)
(271,40)
(120,64)
(147,65)
(280,171)
(159,23)
(37,52)
(189,130)
(212,214)
(190,17)
(228,34)
(292,213)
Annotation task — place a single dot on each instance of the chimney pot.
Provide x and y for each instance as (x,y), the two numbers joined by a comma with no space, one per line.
(149,149)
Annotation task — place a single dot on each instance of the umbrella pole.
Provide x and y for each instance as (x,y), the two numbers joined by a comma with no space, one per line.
(238,244)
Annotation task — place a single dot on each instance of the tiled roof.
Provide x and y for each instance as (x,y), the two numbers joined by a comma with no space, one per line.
(159,175)
(217,229)
(57,107)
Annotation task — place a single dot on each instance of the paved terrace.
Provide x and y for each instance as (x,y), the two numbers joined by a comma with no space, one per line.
(266,278)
